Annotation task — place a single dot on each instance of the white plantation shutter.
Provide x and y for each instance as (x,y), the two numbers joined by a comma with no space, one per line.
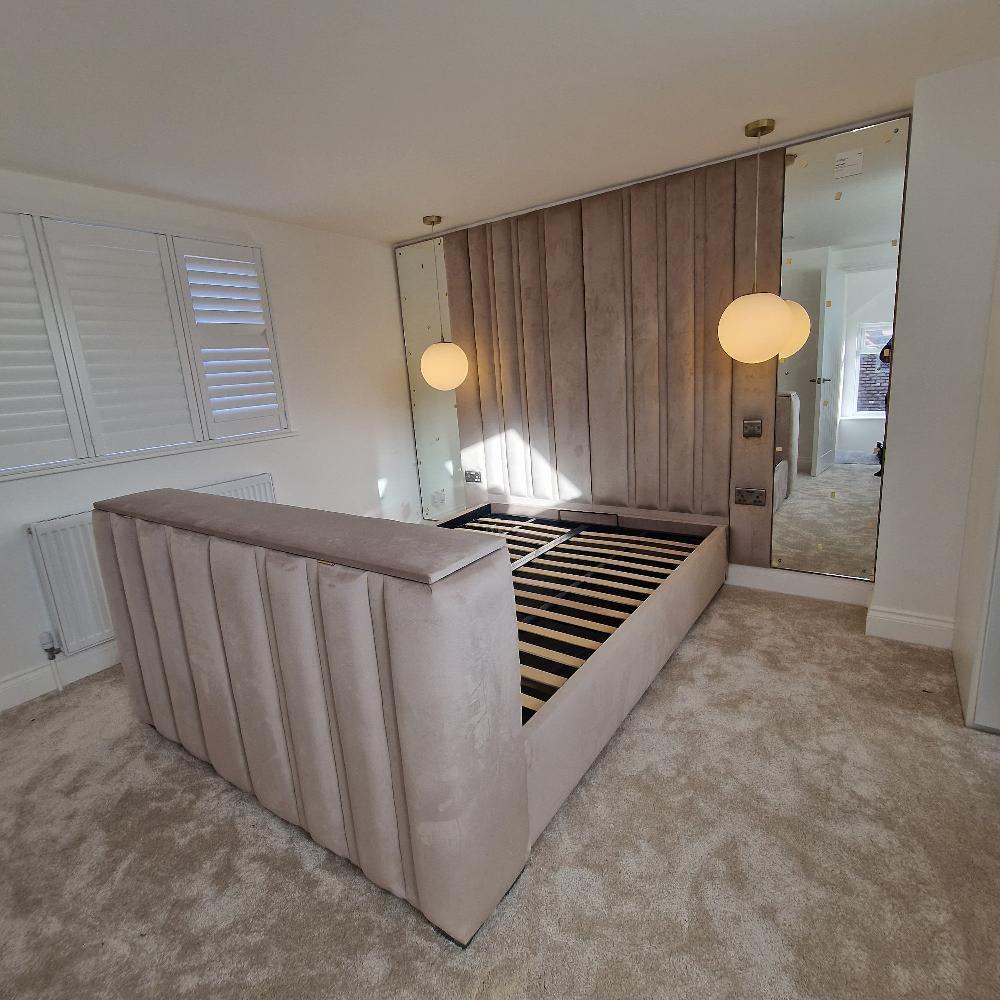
(38,419)
(118,300)
(230,330)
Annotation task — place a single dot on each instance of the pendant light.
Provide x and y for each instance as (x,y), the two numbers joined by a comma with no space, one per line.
(757,327)
(443,365)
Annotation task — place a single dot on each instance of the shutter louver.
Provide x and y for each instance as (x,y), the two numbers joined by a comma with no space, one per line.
(121,317)
(35,425)
(230,331)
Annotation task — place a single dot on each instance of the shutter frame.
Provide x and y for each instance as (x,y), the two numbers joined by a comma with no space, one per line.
(25,443)
(224,354)
(119,417)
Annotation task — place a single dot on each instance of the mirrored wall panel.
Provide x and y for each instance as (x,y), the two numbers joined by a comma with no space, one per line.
(423,296)
(840,248)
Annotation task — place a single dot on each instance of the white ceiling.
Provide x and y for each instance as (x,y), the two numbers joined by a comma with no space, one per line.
(362,115)
(870,204)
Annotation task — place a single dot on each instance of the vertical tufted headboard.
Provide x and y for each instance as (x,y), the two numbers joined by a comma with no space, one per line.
(358,676)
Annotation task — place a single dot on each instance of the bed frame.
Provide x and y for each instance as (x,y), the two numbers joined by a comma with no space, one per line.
(421,701)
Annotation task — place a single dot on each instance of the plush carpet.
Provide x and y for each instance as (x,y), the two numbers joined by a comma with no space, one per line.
(829,523)
(793,811)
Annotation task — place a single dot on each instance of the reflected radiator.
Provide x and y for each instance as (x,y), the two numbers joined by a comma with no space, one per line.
(64,554)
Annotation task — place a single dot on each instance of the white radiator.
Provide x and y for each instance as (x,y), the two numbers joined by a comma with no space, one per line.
(64,553)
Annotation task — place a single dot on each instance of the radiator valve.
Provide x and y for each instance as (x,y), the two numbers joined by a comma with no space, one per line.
(48,644)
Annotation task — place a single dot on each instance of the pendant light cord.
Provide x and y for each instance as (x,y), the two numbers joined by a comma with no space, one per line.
(437,285)
(756,217)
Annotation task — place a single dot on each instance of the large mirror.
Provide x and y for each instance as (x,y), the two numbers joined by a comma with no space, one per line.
(840,248)
(423,297)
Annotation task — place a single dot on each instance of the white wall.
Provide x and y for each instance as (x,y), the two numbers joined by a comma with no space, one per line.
(805,287)
(947,261)
(336,318)
(977,614)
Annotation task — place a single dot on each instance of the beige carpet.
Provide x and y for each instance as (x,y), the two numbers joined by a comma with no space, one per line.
(793,811)
(829,523)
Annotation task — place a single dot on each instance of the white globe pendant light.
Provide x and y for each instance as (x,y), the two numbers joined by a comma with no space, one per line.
(443,365)
(754,327)
(798,331)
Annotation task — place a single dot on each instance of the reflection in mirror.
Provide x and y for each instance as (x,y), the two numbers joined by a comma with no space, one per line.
(423,297)
(840,244)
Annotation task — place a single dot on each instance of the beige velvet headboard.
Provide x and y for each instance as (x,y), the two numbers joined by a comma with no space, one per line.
(595,369)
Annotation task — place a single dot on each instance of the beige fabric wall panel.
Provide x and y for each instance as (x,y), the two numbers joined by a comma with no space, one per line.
(535,346)
(755,386)
(594,326)
(463,332)
(563,246)
(604,297)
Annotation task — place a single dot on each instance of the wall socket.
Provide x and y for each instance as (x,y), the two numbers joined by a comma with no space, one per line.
(753,428)
(751,498)
(473,476)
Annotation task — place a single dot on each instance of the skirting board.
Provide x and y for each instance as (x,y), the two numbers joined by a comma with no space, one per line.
(55,675)
(815,585)
(905,626)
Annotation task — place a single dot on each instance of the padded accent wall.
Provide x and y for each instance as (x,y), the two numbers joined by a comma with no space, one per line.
(595,368)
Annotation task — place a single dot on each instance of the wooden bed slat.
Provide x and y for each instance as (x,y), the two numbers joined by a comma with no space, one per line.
(562,588)
(514,531)
(530,702)
(572,546)
(549,633)
(542,677)
(628,544)
(582,577)
(565,563)
(584,556)
(567,619)
(555,529)
(551,654)
(565,602)
(690,546)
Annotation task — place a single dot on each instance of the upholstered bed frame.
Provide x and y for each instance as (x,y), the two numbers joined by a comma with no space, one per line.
(365,678)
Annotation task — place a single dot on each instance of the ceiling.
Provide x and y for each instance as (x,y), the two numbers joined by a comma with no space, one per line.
(869,208)
(363,115)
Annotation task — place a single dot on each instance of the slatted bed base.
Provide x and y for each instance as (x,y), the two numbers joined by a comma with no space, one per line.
(575,584)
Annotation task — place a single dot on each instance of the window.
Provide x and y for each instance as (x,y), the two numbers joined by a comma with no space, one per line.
(872,375)
(115,341)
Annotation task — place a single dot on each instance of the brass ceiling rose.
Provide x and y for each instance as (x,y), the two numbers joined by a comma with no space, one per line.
(762,126)
(435,220)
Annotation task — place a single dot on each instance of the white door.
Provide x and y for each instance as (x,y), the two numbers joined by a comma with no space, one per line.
(829,371)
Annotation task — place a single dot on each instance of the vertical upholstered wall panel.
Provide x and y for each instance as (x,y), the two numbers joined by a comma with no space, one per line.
(645,289)
(604,298)
(535,345)
(593,329)
(563,247)
(717,366)
(754,386)
(678,477)
(458,282)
